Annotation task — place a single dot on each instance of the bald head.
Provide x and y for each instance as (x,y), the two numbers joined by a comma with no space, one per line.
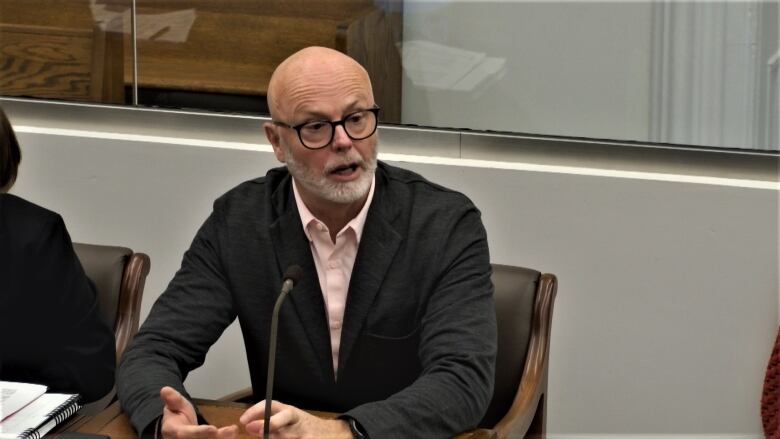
(315,93)
(314,72)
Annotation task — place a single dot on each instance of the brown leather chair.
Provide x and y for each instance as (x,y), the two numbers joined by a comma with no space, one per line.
(119,276)
(524,305)
(770,397)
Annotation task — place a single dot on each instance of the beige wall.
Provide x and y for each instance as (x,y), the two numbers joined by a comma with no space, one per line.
(668,298)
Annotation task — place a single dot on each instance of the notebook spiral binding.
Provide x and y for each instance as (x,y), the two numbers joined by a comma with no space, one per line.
(59,414)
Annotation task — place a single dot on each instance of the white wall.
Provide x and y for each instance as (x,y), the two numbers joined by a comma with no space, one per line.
(668,298)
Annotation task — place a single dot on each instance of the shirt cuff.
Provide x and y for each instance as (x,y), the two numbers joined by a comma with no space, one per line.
(152,430)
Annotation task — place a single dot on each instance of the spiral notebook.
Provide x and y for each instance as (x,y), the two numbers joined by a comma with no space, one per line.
(39,416)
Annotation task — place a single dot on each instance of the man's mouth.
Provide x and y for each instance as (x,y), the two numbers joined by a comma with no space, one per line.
(345,169)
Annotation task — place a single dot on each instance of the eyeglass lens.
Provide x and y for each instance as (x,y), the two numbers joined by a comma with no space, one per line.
(358,126)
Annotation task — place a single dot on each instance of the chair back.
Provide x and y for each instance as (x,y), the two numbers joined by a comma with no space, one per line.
(119,276)
(770,398)
(524,300)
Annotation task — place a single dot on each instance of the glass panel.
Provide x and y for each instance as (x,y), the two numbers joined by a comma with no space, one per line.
(61,50)
(220,54)
(694,73)
(669,72)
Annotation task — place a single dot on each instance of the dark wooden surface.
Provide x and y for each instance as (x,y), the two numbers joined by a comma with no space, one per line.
(113,422)
(60,62)
(233,46)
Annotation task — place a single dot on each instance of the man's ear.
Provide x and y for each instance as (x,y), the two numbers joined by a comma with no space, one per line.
(272,133)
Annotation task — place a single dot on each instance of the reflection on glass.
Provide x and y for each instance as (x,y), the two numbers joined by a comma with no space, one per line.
(57,50)
(698,73)
(670,72)
(220,54)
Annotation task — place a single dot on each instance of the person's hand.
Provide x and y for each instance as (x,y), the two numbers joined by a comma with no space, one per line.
(288,422)
(179,420)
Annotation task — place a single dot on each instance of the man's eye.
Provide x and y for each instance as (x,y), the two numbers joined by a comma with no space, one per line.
(315,126)
(355,118)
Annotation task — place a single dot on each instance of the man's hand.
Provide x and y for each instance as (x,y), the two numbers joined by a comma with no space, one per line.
(289,422)
(179,420)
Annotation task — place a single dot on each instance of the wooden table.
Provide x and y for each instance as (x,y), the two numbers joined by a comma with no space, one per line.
(114,423)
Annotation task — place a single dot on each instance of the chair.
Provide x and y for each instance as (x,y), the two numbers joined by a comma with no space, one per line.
(770,397)
(119,276)
(524,304)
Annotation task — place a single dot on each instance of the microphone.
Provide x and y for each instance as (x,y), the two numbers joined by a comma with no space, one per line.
(291,277)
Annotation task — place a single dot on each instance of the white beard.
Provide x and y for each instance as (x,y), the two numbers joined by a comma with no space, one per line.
(336,192)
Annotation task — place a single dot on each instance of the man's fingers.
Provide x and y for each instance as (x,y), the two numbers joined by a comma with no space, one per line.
(173,399)
(197,432)
(179,431)
(254,428)
(281,419)
(257,411)
(179,421)
(229,432)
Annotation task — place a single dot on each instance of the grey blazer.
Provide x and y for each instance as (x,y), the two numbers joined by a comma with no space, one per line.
(418,343)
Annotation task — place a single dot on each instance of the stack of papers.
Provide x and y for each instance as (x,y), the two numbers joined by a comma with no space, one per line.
(28,412)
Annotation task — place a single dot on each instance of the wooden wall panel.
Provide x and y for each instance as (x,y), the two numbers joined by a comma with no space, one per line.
(231,47)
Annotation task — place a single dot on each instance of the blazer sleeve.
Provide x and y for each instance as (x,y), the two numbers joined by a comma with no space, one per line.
(183,324)
(77,345)
(457,346)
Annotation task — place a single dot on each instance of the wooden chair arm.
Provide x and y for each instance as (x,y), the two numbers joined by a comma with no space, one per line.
(128,310)
(528,405)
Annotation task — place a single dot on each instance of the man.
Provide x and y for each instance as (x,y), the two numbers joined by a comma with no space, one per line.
(392,324)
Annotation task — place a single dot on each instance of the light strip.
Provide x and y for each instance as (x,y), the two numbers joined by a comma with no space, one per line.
(634,175)
(471,163)
(143,138)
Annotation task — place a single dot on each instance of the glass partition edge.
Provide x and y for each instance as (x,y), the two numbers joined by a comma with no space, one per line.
(407,142)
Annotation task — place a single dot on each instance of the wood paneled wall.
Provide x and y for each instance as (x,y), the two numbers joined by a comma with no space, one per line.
(233,46)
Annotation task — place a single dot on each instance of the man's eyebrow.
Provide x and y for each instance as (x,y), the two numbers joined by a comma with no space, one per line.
(354,106)
(307,115)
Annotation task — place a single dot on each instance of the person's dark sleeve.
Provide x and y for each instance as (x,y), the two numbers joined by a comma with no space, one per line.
(75,348)
(457,347)
(183,324)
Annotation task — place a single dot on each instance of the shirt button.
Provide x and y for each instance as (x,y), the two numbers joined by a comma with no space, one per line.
(335,324)
(333,264)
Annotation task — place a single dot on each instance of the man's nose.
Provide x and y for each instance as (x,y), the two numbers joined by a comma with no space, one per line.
(340,138)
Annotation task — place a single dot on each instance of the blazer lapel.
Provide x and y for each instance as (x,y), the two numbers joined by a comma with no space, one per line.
(292,247)
(378,245)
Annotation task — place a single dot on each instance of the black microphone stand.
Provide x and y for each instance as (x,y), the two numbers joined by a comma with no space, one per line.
(291,277)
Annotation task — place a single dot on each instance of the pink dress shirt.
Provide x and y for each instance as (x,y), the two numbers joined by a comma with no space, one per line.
(334,262)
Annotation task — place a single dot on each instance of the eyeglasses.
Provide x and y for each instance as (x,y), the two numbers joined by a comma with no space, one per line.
(318,134)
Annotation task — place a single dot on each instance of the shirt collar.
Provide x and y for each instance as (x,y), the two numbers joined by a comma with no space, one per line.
(356,224)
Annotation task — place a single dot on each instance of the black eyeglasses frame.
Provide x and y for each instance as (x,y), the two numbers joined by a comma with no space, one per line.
(333,124)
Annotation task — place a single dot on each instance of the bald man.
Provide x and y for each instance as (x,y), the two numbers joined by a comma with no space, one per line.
(392,325)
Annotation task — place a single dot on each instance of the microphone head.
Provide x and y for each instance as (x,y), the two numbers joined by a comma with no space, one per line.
(293,273)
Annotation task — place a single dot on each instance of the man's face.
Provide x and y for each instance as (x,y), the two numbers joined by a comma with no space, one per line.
(342,171)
